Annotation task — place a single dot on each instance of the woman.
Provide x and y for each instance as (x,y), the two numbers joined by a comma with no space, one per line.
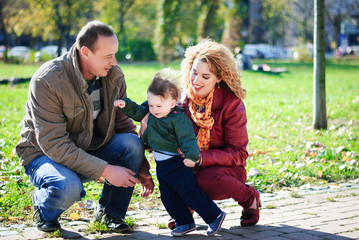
(213,101)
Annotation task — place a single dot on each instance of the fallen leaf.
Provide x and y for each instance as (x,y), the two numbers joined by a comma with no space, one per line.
(4,178)
(320,173)
(27,208)
(257,152)
(74,216)
(271,149)
(313,154)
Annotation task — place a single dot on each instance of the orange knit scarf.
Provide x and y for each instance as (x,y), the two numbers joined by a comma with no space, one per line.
(202,119)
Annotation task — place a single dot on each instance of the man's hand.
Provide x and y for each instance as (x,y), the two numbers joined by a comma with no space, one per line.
(188,162)
(119,103)
(147,187)
(119,176)
(145,177)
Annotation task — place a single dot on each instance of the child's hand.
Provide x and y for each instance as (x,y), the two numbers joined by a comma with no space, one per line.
(119,103)
(188,163)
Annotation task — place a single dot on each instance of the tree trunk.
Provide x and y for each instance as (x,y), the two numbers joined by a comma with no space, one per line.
(208,23)
(170,9)
(61,28)
(319,101)
(3,30)
(125,5)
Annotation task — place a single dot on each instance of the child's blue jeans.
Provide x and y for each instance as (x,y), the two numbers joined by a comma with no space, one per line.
(180,191)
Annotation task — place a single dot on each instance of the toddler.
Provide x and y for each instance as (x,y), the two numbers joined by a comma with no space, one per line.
(170,134)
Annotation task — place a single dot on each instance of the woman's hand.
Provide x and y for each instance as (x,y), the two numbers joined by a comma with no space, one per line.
(144,124)
(189,163)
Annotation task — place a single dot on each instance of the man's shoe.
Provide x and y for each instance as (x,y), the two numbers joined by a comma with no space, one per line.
(183,229)
(214,227)
(41,224)
(250,217)
(115,224)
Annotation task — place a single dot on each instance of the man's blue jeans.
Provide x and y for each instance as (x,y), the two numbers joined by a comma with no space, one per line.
(59,187)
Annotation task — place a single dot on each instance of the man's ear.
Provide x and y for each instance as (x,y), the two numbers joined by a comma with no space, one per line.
(85,51)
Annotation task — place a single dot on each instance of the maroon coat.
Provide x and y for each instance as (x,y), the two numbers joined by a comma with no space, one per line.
(229,138)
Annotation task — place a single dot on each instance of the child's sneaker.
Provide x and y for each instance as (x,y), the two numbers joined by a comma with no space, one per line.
(183,229)
(214,227)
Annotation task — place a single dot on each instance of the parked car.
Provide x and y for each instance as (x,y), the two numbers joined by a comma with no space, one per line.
(48,53)
(251,50)
(265,51)
(20,54)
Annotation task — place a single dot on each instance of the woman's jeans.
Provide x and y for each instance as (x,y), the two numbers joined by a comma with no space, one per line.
(221,182)
(60,187)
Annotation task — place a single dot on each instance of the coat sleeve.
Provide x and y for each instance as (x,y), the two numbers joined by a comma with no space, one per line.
(186,137)
(123,124)
(135,111)
(49,122)
(235,138)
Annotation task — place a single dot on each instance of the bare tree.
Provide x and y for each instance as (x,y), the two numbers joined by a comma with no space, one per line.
(319,101)
(302,15)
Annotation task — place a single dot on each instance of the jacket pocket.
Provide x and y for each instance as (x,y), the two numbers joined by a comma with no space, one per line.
(72,111)
(75,119)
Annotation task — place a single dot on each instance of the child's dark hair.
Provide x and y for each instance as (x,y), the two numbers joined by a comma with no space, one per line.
(164,84)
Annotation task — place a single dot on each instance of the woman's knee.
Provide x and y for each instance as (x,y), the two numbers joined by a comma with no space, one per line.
(207,180)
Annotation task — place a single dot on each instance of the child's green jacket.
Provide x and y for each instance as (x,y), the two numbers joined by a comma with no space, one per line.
(165,134)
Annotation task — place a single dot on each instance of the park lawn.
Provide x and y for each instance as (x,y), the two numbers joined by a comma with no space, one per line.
(284,149)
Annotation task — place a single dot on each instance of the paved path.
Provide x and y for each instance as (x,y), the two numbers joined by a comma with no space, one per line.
(328,212)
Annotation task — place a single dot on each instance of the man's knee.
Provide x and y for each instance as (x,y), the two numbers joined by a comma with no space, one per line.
(65,189)
(135,145)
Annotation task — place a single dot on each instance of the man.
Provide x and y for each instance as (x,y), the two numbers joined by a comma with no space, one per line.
(72,133)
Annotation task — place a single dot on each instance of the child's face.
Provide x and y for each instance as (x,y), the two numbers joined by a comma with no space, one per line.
(160,107)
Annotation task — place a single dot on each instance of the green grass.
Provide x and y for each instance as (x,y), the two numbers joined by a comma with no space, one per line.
(283,146)
(279,112)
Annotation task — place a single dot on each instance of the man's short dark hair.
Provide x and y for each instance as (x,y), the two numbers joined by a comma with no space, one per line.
(89,34)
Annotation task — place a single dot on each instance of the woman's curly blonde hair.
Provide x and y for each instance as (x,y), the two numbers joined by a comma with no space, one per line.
(220,62)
